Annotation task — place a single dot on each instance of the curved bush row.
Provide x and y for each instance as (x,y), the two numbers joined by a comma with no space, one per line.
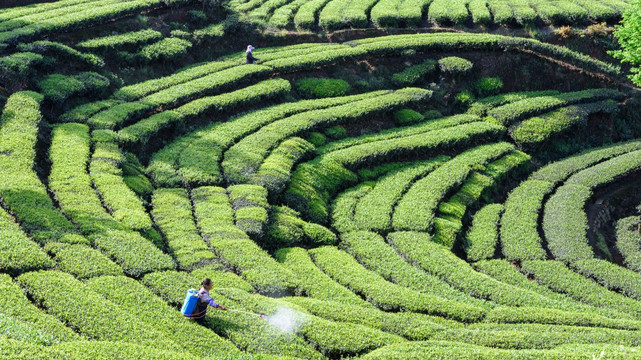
(90,314)
(629,241)
(62,52)
(196,157)
(215,218)
(128,111)
(372,252)
(128,40)
(69,181)
(559,171)
(399,132)
(286,228)
(18,253)
(483,236)
(82,261)
(20,188)
(565,223)
(245,157)
(520,239)
(374,210)
(417,208)
(107,176)
(74,17)
(344,207)
(172,212)
(559,278)
(410,325)
(14,304)
(339,13)
(483,105)
(313,282)
(449,221)
(504,271)
(458,350)
(57,88)
(536,130)
(148,127)
(332,339)
(315,182)
(510,113)
(398,13)
(142,303)
(386,295)
(418,249)
(275,171)
(250,204)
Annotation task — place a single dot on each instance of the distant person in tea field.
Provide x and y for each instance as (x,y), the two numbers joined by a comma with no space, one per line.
(204,301)
(250,59)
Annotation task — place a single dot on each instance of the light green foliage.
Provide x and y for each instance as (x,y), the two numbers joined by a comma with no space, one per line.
(172,212)
(453,65)
(20,188)
(482,238)
(126,40)
(313,282)
(18,253)
(510,113)
(82,261)
(91,314)
(215,218)
(384,294)
(275,171)
(629,241)
(154,312)
(15,305)
(62,52)
(417,209)
(628,33)
(520,239)
(286,228)
(557,277)
(166,49)
(322,88)
(371,250)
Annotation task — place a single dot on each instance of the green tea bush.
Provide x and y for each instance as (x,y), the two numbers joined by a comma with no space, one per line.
(322,88)
(488,86)
(315,283)
(18,253)
(455,65)
(15,304)
(172,212)
(126,41)
(82,261)
(407,117)
(386,295)
(371,250)
(62,52)
(482,238)
(414,74)
(628,238)
(167,49)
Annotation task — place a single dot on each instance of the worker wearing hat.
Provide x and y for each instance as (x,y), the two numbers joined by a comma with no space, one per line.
(250,59)
(204,301)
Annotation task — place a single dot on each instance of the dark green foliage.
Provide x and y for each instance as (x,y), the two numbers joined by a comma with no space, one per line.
(414,74)
(407,117)
(322,88)
(488,86)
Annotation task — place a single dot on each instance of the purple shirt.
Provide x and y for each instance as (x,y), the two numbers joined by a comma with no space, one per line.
(204,297)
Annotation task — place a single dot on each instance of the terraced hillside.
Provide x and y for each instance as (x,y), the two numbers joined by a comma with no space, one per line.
(431,195)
